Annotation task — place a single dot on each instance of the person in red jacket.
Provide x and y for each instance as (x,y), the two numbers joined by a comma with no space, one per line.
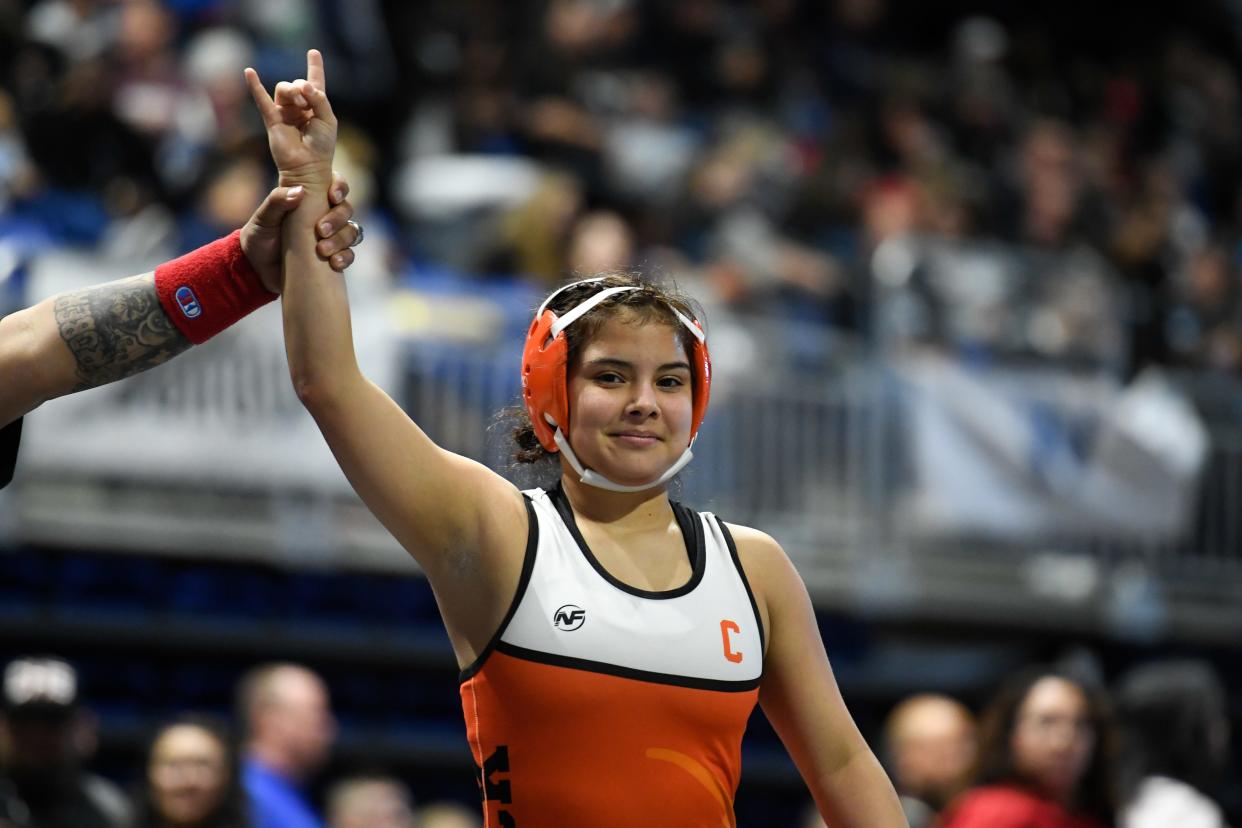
(1043,758)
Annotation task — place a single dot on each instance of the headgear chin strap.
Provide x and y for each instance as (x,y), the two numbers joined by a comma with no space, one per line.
(592,478)
(545,379)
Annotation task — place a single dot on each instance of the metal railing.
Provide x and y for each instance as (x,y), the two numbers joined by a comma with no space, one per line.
(212,454)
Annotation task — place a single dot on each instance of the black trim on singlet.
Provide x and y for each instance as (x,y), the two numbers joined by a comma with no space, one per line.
(528,566)
(571,663)
(10,438)
(741,573)
(691,532)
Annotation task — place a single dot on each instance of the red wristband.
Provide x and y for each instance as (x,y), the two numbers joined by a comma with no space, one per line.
(207,290)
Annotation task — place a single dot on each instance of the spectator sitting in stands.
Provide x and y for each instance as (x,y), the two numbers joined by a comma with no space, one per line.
(1043,758)
(930,742)
(370,802)
(289,732)
(192,779)
(930,746)
(1201,322)
(1175,728)
(49,736)
(600,242)
(532,237)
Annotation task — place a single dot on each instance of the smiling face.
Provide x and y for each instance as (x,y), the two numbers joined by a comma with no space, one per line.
(630,400)
(188,774)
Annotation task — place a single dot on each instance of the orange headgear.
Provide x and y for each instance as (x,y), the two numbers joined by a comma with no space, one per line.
(545,370)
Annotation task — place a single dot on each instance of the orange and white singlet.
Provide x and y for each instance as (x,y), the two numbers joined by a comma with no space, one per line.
(598,704)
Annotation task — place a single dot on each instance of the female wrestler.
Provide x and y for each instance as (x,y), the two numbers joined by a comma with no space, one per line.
(613,643)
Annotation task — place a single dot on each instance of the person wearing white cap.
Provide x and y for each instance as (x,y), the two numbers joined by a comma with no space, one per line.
(50,736)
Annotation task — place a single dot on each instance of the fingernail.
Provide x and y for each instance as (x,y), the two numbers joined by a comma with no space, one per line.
(338,195)
(325,228)
(294,192)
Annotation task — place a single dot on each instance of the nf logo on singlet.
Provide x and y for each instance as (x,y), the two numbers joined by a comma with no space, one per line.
(569,618)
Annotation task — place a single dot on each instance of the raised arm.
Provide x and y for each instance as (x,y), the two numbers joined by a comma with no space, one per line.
(460,520)
(89,337)
(800,697)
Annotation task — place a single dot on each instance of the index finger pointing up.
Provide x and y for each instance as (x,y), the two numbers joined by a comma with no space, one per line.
(314,70)
(262,100)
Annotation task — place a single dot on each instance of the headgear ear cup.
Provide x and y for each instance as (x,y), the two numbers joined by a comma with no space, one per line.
(701,369)
(545,362)
(545,367)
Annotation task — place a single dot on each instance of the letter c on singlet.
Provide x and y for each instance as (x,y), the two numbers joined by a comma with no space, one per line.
(727,627)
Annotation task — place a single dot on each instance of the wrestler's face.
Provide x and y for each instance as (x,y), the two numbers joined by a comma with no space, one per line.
(630,400)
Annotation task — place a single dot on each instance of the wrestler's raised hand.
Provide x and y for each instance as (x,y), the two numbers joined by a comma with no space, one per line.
(301,138)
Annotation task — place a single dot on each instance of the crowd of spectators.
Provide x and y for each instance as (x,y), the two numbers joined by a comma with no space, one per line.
(1051,180)
(199,771)
(759,151)
(1053,748)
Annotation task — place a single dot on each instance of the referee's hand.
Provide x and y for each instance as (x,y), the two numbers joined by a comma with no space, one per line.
(260,237)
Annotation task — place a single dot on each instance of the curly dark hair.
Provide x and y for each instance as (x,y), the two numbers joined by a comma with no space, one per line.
(233,810)
(652,303)
(995,766)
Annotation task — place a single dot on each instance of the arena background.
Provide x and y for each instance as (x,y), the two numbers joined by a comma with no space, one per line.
(971,272)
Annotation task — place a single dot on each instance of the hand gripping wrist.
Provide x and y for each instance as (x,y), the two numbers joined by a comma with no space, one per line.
(314,177)
(208,289)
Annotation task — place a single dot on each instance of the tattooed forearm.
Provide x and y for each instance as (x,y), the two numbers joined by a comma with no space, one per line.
(116,330)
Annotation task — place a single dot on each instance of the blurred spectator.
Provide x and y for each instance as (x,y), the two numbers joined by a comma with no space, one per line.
(192,779)
(448,815)
(600,242)
(930,745)
(891,207)
(370,802)
(223,200)
(1045,758)
(1175,742)
(984,102)
(213,118)
(18,176)
(1203,322)
(151,97)
(289,733)
(649,148)
(533,237)
(1050,187)
(79,29)
(47,737)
